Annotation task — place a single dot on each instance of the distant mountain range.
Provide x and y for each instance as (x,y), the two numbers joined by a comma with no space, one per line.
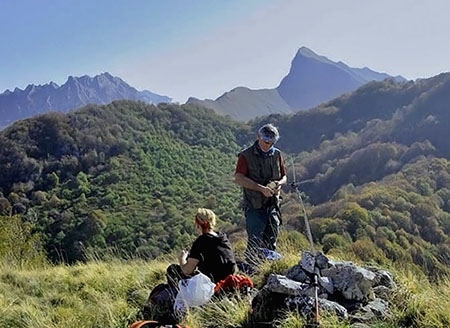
(75,93)
(127,175)
(312,80)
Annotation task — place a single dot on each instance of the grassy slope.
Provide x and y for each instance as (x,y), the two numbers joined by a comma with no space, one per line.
(110,295)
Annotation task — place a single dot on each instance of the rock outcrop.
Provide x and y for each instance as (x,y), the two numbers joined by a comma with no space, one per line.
(316,283)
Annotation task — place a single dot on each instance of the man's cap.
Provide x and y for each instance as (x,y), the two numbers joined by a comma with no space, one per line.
(269,131)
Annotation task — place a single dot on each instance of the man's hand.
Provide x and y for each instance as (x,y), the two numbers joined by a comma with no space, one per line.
(182,257)
(267,191)
(275,186)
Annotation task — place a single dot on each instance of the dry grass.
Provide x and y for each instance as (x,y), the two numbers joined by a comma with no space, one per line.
(110,294)
(97,294)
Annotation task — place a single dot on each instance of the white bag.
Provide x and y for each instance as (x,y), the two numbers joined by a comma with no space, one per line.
(194,291)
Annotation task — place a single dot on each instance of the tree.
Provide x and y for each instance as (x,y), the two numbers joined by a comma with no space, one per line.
(18,246)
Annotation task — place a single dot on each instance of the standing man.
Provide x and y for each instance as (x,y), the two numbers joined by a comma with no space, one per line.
(261,172)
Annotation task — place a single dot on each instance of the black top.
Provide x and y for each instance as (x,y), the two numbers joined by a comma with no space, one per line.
(216,258)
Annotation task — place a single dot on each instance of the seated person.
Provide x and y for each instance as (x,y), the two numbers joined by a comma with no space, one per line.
(211,253)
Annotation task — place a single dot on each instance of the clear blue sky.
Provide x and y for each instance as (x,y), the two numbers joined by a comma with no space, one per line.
(203,48)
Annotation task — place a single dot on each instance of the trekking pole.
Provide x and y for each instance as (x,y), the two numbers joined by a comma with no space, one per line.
(295,185)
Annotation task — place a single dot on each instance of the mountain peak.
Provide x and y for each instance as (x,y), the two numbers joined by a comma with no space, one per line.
(305,52)
(313,79)
(75,93)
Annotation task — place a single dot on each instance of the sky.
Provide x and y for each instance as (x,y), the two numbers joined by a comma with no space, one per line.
(204,48)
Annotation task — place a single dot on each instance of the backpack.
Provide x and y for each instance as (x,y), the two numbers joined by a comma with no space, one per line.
(145,324)
(159,306)
(152,324)
(233,283)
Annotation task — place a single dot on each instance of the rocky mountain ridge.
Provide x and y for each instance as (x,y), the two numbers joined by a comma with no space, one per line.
(76,92)
(312,80)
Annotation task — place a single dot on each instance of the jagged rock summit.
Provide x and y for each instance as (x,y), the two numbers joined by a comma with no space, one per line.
(76,92)
(312,80)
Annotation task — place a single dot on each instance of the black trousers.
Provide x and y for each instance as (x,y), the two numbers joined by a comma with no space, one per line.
(174,274)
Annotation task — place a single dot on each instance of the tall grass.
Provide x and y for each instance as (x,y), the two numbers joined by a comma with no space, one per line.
(223,312)
(110,294)
(96,294)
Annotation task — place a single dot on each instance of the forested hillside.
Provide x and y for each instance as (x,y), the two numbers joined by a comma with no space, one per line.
(373,168)
(366,135)
(127,175)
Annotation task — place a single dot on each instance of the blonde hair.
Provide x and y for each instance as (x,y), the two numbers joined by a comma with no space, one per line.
(206,217)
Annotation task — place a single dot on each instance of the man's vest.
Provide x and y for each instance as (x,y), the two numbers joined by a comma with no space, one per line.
(262,168)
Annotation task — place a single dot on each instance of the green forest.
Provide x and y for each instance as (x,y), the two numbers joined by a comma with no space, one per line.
(125,178)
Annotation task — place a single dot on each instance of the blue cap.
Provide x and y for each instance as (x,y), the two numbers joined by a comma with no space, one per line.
(269,133)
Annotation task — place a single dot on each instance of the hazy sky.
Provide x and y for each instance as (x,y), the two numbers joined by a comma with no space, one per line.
(203,48)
